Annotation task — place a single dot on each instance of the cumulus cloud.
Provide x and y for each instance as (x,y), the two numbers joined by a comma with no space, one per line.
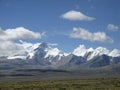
(10,48)
(76,16)
(2,32)
(112,27)
(19,33)
(8,44)
(84,34)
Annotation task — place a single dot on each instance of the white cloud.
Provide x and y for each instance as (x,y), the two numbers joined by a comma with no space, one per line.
(76,16)
(8,47)
(19,33)
(84,34)
(112,27)
(26,45)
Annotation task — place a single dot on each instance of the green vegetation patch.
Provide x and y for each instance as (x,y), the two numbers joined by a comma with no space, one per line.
(82,84)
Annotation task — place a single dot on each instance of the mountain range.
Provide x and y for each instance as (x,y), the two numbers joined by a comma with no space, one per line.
(44,55)
(43,61)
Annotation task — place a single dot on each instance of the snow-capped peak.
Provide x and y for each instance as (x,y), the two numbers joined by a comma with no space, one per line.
(35,46)
(82,51)
(49,50)
(90,49)
(97,52)
(31,49)
(101,51)
(114,53)
(52,52)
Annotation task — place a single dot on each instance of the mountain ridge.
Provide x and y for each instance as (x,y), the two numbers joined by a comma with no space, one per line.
(46,55)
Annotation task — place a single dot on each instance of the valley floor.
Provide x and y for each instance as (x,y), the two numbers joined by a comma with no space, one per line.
(74,84)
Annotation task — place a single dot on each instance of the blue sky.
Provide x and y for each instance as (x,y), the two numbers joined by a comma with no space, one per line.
(50,16)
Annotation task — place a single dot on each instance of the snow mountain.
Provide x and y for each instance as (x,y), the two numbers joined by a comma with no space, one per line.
(47,55)
(92,53)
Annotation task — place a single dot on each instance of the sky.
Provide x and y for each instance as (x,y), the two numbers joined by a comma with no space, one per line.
(67,23)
